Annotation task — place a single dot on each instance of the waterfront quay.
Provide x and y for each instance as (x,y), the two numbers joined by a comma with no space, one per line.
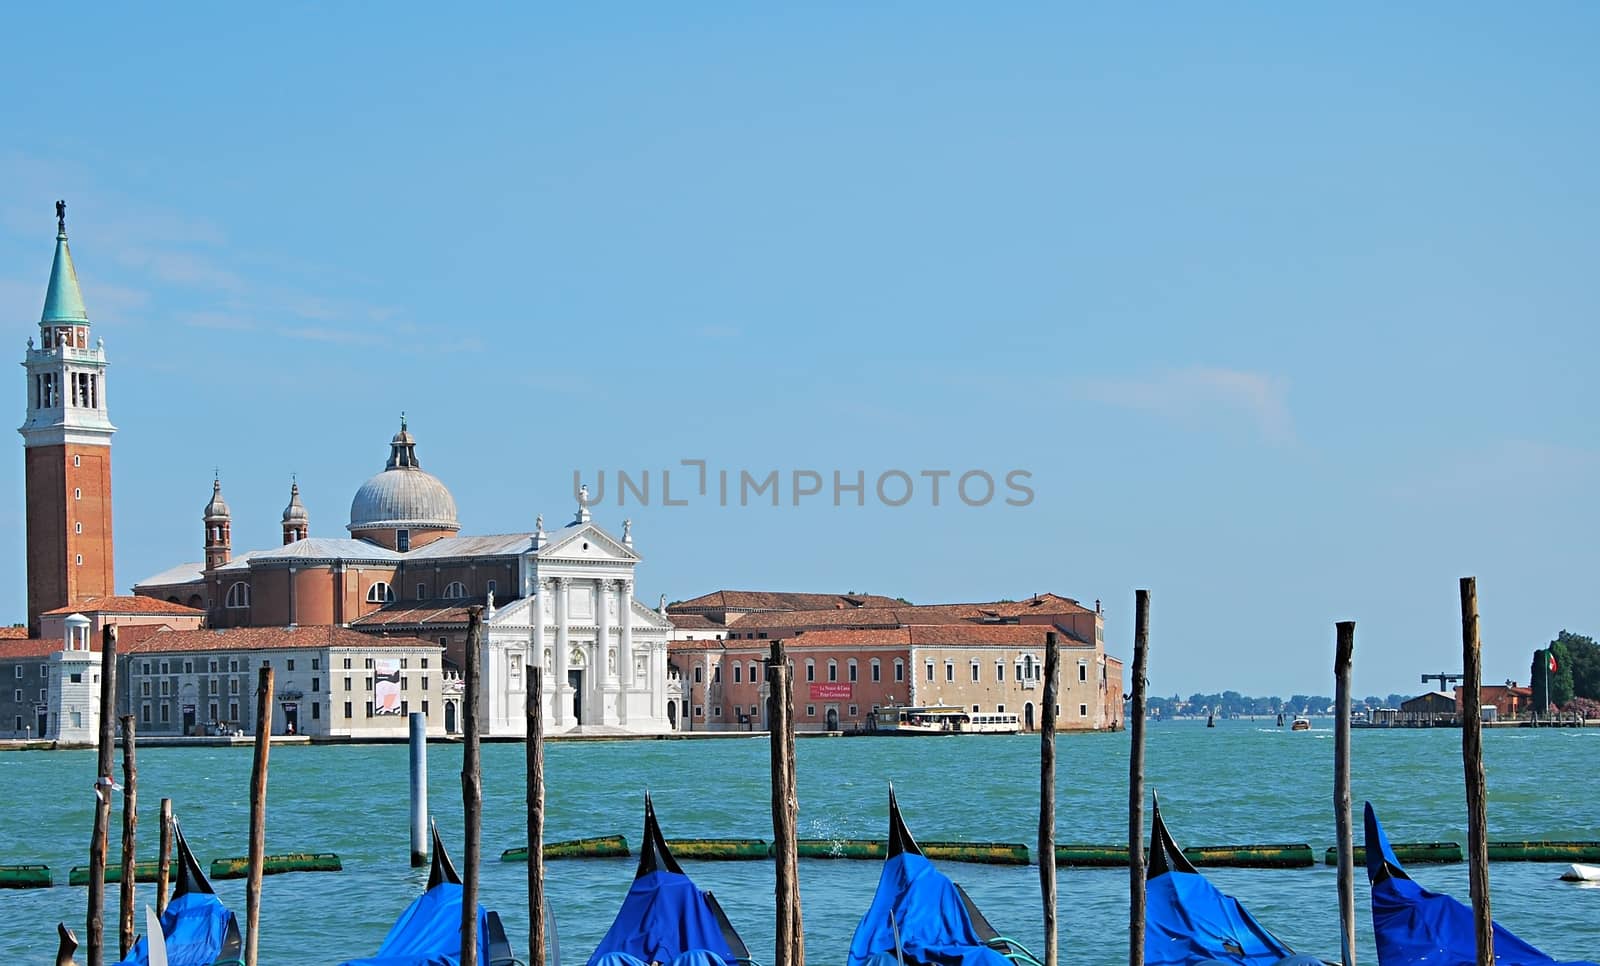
(1214,785)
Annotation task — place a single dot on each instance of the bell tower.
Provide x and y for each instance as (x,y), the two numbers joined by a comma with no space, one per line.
(67,449)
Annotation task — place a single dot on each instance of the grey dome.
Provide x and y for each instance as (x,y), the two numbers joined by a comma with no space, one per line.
(403,496)
(295,512)
(217,509)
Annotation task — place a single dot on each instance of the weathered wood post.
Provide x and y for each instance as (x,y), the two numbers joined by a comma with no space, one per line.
(163,874)
(107,738)
(1047,794)
(418,724)
(536,955)
(471,788)
(258,814)
(1136,884)
(1344,649)
(130,829)
(790,945)
(1472,759)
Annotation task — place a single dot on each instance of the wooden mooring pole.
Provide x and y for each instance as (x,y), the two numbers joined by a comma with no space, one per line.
(163,874)
(103,782)
(1047,794)
(130,829)
(471,789)
(1344,648)
(1472,759)
(790,940)
(258,814)
(536,953)
(1136,884)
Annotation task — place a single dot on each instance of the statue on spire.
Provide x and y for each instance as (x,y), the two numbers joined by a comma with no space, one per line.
(61,217)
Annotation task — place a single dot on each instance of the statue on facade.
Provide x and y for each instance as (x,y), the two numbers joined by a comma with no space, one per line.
(61,217)
(627,531)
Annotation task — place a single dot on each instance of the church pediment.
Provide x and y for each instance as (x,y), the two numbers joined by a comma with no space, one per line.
(586,542)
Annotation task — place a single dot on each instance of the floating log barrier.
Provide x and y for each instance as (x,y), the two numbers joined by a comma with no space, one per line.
(1409,853)
(25,877)
(599,847)
(842,848)
(1292,856)
(148,871)
(1092,856)
(984,853)
(719,849)
(239,867)
(1544,851)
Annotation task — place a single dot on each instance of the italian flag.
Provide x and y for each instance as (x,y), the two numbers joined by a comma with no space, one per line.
(1552,658)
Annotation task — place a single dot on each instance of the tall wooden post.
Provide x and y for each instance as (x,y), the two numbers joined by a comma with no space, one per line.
(107,738)
(130,829)
(790,945)
(163,874)
(258,814)
(1344,649)
(1047,794)
(1136,883)
(536,955)
(472,788)
(1472,759)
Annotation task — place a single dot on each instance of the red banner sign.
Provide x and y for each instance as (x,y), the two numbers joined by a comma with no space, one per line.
(831,691)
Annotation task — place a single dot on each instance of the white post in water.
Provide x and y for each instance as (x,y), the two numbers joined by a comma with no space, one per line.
(419,789)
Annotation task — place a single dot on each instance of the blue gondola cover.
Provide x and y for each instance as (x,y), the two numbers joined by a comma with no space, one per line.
(663,917)
(428,933)
(929,915)
(1414,926)
(195,926)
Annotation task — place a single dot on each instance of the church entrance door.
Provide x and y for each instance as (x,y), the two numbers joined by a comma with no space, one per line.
(449,717)
(833,719)
(575,681)
(188,719)
(42,719)
(672,715)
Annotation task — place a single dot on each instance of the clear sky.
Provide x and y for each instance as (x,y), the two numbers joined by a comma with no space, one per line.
(1289,312)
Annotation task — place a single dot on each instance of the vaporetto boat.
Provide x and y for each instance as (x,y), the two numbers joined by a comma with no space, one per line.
(945,720)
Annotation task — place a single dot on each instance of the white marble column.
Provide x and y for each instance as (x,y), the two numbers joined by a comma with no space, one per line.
(563,693)
(658,680)
(602,622)
(625,647)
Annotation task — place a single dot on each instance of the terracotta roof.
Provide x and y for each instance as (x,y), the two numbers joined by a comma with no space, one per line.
(714,645)
(695,622)
(266,639)
(132,604)
(13,648)
(753,600)
(413,612)
(931,635)
(128,638)
(16,632)
(902,615)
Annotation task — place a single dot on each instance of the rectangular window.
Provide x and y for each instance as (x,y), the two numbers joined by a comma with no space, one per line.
(18,670)
(316,685)
(316,711)
(716,711)
(422,591)
(347,710)
(403,709)
(974,672)
(899,671)
(833,671)
(369,684)
(42,698)
(144,713)
(347,682)
(852,668)
(949,671)
(18,696)
(213,709)
(852,711)
(316,664)
(930,670)
(144,690)
(999,671)
(424,682)
(811,671)
(188,667)
(403,683)
(425,660)
(289,664)
(164,668)
(233,685)
(233,665)
(405,662)
(233,711)
(347,664)
(699,712)
(369,709)
(877,671)
(424,708)
(367,663)
(974,709)
(166,713)
(213,667)
(811,711)
(1083,711)
(737,671)
(1000,709)
(1083,672)
(402,540)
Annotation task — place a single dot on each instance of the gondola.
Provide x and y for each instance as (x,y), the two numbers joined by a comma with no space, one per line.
(919,917)
(198,929)
(1414,926)
(1189,922)
(665,918)
(428,932)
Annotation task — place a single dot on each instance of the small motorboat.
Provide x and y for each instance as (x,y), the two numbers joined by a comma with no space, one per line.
(1188,922)
(665,918)
(1414,927)
(428,932)
(197,928)
(918,917)
(1578,872)
(1300,723)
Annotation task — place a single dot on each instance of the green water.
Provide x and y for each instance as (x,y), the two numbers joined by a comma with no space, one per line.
(1240,782)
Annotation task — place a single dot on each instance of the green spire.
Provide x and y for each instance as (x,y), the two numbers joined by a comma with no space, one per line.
(63,302)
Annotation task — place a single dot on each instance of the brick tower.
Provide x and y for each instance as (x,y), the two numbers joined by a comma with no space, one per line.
(67,445)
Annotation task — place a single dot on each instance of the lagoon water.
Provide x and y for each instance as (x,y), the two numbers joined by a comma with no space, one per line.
(1244,781)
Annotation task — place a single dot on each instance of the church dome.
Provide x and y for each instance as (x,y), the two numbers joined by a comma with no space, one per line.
(403,497)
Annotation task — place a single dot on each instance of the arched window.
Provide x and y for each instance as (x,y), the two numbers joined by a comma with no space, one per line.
(380,593)
(239,595)
(851,665)
(456,589)
(877,670)
(899,669)
(833,670)
(753,672)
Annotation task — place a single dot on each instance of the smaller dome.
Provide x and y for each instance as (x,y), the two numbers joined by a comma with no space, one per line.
(295,512)
(218,507)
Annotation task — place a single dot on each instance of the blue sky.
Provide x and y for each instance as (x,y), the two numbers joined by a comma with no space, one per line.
(1288,312)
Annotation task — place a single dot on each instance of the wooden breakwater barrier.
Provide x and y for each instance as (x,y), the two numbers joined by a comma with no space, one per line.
(1278,856)
(598,847)
(148,871)
(1409,853)
(716,850)
(1544,851)
(239,867)
(24,877)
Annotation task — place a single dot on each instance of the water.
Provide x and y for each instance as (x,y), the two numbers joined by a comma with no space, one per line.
(1240,782)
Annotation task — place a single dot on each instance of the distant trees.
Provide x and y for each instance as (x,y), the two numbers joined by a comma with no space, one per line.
(1577,673)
